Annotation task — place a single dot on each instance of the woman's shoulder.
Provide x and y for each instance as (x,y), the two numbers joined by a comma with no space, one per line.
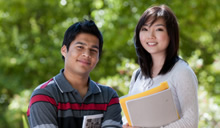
(182,76)
(182,68)
(181,65)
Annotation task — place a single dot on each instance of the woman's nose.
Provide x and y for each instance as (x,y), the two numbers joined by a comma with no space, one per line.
(150,34)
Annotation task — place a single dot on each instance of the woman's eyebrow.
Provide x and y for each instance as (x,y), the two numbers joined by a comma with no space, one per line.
(147,25)
(159,25)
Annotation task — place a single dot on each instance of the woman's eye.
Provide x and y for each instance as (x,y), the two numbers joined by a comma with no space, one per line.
(159,29)
(144,29)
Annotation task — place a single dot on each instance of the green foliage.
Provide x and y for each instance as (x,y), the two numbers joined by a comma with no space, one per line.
(121,81)
(209,112)
(31,34)
(25,122)
(18,107)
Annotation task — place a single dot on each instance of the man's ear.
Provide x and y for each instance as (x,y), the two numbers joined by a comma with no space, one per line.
(63,50)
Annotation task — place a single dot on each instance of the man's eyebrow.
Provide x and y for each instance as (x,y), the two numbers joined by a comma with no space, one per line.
(93,46)
(81,43)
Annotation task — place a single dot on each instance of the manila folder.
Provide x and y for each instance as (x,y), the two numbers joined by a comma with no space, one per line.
(153,110)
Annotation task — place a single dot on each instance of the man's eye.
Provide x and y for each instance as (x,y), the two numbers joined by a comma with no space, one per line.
(80,47)
(92,50)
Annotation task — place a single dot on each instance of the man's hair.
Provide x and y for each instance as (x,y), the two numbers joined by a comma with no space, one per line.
(144,58)
(86,26)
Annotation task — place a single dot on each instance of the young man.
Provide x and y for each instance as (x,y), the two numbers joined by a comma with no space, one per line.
(65,99)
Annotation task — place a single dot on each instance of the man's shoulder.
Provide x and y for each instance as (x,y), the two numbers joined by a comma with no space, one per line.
(107,90)
(105,87)
(47,88)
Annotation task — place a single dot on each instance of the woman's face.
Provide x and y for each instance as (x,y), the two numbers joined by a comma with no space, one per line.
(154,38)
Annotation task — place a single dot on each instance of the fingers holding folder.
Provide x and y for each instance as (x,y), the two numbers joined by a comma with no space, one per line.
(127,126)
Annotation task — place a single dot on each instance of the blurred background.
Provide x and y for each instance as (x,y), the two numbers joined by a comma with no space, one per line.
(31,35)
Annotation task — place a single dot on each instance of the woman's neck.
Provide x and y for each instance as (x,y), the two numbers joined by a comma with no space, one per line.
(158,62)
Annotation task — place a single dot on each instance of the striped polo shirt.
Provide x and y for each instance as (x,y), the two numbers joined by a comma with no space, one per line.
(56,103)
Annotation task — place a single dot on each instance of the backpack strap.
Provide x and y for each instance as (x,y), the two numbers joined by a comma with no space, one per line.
(137,73)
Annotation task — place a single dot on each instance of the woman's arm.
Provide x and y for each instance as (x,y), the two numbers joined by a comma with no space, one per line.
(186,84)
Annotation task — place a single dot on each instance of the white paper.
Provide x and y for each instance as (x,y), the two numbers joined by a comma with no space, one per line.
(92,121)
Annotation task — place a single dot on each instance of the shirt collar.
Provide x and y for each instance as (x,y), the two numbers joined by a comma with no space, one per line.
(65,86)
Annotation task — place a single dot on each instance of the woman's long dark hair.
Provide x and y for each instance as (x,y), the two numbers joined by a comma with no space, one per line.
(144,58)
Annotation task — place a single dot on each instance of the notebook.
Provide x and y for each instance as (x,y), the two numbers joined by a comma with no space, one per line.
(152,108)
(152,111)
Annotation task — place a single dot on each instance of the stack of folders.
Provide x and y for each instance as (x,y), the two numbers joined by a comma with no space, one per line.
(152,108)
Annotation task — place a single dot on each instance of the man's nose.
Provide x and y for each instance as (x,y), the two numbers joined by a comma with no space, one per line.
(86,53)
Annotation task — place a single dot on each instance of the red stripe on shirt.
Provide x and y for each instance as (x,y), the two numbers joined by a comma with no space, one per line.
(40,98)
(95,107)
(113,101)
(77,106)
(44,85)
(92,106)
(73,106)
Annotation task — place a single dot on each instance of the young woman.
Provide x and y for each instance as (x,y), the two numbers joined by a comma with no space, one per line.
(157,43)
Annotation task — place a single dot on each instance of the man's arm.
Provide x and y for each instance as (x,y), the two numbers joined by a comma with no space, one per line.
(42,110)
(112,117)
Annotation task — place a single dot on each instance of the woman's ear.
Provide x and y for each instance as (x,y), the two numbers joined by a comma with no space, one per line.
(63,51)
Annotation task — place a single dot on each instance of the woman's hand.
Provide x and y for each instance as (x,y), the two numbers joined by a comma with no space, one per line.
(127,126)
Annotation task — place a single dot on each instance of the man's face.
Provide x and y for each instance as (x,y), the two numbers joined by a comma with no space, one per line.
(83,54)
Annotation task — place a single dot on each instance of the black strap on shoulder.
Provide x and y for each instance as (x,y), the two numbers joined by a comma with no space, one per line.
(137,73)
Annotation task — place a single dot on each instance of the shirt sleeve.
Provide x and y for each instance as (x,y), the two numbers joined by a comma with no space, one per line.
(186,84)
(42,110)
(133,80)
(112,116)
